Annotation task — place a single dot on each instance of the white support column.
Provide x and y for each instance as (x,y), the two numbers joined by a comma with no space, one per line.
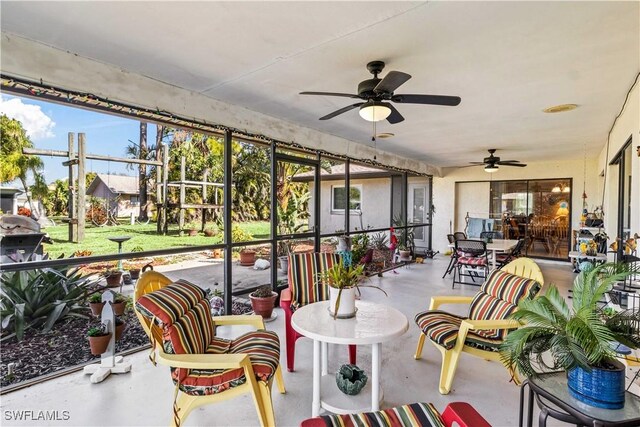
(375,376)
(315,406)
(325,358)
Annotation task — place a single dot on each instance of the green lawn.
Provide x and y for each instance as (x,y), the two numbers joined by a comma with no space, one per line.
(144,236)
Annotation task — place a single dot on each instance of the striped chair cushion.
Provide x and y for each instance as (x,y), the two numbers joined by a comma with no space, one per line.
(413,415)
(263,348)
(509,287)
(498,298)
(304,271)
(466,260)
(184,313)
(442,328)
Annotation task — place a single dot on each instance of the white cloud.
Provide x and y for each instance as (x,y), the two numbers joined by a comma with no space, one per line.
(36,123)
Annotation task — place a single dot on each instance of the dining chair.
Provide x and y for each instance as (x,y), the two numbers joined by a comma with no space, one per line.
(505,258)
(459,235)
(486,325)
(471,259)
(452,261)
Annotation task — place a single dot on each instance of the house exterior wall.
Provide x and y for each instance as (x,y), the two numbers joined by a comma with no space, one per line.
(444,189)
(376,205)
(627,125)
(125,207)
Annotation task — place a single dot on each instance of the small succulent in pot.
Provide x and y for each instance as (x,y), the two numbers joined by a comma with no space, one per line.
(96,304)
(99,338)
(262,301)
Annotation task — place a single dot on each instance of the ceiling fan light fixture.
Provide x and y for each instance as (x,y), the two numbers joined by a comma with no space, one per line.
(374,111)
(491,168)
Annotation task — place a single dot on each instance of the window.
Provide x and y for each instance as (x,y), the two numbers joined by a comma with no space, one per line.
(338,198)
(134,200)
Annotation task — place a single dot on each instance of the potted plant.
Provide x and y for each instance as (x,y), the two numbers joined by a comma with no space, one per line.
(192,232)
(119,304)
(247,257)
(262,301)
(99,339)
(343,282)
(113,277)
(96,304)
(121,326)
(579,337)
(405,253)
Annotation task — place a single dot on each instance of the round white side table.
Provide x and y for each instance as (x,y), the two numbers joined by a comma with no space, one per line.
(372,325)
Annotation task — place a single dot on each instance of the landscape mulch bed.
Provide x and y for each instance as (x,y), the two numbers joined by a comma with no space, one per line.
(66,346)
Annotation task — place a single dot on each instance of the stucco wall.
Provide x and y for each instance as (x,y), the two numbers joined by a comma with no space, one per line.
(376,205)
(444,188)
(627,125)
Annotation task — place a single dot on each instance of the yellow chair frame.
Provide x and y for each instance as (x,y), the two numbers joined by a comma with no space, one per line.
(185,403)
(523,267)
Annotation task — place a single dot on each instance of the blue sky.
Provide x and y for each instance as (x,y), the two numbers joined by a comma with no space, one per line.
(48,124)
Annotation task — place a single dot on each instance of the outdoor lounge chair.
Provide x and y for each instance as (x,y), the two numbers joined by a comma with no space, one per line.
(205,368)
(305,288)
(482,331)
(413,415)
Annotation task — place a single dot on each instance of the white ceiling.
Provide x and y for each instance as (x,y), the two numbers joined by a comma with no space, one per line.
(506,60)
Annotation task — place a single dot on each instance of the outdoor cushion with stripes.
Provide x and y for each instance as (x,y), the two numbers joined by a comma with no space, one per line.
(471,260)
(497,299)
(304,277)
(183,312)
(413,415)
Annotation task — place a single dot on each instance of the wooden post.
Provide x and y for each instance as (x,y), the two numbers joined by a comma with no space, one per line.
(205,178)
(73,234)
(159,190)
(81,191)
(182,192)
(165,187)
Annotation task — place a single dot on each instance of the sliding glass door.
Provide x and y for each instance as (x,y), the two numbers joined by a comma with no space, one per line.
(536,210)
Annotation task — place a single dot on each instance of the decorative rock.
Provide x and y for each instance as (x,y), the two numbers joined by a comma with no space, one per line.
(350,379)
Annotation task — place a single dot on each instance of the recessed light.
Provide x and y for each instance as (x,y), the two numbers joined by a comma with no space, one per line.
(385,135)
(560,108)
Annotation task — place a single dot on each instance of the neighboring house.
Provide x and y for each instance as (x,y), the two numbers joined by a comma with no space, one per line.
(121,191)
(10,199)
(370,202)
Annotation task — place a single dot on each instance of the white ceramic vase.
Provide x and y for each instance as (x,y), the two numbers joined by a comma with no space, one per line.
(347,302)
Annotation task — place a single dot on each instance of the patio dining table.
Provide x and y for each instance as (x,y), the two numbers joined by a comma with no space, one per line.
(496,246)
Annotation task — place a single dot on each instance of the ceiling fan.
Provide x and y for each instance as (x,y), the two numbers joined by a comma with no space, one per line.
(491,163)
(376,94)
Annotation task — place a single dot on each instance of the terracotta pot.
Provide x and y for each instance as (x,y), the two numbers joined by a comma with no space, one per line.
(120,330)
(217,253)
(113,280)
(96,308)
(118,308)
(193,232)
(247,257)
(209,233)
(405,255)
(99,344)
(135,273)
(263,306)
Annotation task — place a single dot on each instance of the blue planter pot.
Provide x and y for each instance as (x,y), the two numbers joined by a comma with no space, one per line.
(602,388)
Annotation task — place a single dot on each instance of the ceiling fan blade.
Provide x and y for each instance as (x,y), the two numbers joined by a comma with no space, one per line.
(342,110)
(345,95)
(392,81)
(427,99)
(510,161)
(395,116)
(520,165)
(476,163)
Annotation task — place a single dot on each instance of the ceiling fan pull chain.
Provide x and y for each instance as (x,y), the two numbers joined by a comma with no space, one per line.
(375,144)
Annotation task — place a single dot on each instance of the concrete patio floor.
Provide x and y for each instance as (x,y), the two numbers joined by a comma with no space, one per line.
(144,396)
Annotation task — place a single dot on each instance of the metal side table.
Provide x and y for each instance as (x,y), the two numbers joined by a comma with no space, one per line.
(552,396)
